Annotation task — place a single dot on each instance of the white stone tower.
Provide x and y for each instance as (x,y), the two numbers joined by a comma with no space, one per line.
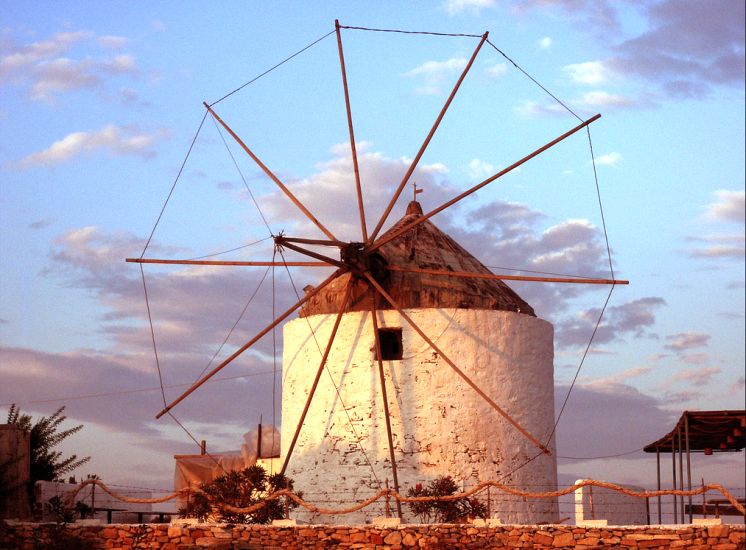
(440,425)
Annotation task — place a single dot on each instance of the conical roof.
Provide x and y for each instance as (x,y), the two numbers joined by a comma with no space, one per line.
(423,247)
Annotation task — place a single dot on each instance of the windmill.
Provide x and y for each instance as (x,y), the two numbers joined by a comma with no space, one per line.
(433,361)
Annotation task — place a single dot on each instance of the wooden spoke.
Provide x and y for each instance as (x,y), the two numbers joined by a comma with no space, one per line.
(313,254)
(320,242)
(312,391)
(384,396)
(271,176)
(461,373)
(353,147)
(251,342)
(466,274)
(236,263)
(430,135)
(380,242)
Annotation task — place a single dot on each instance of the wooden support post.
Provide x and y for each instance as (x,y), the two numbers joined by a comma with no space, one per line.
(681,470)
(203,447)
(315,383)
(271,176)
(673,466)
(353,146)
(688,461)
(424,145)
(658,469)
(310,294)
(384,397)
(461,373)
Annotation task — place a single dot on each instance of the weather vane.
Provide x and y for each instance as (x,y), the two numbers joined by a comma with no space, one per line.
(416,191)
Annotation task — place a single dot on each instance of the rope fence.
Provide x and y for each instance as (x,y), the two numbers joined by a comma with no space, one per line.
(390,493)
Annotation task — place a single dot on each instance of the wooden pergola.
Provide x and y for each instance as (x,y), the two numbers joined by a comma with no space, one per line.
(704,432)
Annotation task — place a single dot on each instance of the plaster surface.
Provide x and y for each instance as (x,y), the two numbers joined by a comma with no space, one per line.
(440,425)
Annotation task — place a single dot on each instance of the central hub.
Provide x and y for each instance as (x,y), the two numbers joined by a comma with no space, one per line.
(354,256)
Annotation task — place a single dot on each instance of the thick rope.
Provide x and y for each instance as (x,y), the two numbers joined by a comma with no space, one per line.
(390,493)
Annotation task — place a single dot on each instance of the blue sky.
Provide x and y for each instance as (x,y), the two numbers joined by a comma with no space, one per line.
(100,104)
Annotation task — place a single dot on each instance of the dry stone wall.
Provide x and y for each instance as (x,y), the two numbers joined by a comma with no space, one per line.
(28,536)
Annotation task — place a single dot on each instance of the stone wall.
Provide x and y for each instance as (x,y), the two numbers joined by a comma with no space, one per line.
(442,536)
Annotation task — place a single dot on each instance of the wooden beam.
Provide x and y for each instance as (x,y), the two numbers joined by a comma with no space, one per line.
(310,294)
(384,396)
(271,176)
(466,274)
(320,242)
(461,373)
(315,384)
(424,145)
(236,263)
(353,146)
(313,254)
(380,242)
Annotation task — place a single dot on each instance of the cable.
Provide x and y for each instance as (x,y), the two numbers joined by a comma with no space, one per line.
(128,392)
(517,66)
(152,335)
(538,272)
(231,249)
(410,32)
(173,186)
(272,68)
(230,153)
(582,360)
(230,332)
(600,206)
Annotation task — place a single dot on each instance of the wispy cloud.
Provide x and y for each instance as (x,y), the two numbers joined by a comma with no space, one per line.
(727,209)
(729,206)
(48,69)
(119,141)
(609,159)
(697,376)
(545,43)
(592,73)
(435,72)
(454,7)
(687,340)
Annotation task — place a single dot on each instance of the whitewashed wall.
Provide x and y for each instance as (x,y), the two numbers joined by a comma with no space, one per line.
(440,425)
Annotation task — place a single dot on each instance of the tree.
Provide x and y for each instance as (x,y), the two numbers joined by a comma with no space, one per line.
(46,463)
(444,511)
(241,489)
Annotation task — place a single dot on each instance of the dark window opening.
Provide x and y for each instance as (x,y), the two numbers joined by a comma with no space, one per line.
(391,343)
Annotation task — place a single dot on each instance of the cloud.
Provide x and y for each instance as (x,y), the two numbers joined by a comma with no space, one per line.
(497,70)
(631,318)
(545,43)
(729,206)
(600,98)
(688,48)
(48,69)
(480,169)
(533,109)
(117,140)
(454,7)
(112,42)
(591,72)
(687,340)
(609,159)
(697,376)
(598,415)
(40,224)
(435,72)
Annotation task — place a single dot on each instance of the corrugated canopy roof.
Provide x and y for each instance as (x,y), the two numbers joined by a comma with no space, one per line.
(715,431)
(423,247)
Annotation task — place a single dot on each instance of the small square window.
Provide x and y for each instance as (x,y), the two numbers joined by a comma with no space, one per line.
(391,344)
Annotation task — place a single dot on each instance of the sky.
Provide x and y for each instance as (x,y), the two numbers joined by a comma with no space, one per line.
(101,103)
